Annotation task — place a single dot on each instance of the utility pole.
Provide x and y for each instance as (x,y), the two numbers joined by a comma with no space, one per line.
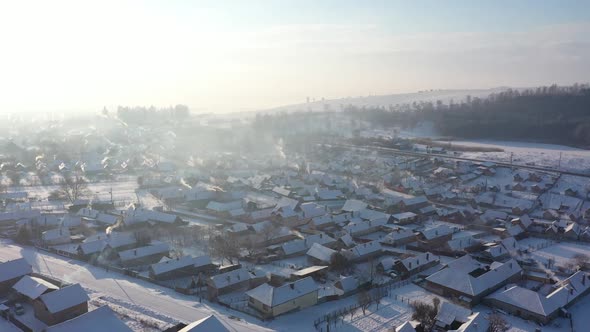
(511,155)
(559,164)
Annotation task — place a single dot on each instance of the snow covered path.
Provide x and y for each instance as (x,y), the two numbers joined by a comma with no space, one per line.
(137,292)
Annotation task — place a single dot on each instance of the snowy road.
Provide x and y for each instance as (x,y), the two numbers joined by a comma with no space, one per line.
(158,299)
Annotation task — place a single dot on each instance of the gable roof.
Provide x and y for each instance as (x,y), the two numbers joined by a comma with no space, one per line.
(208,324)
(153,249)
(229,278)
(273,296)
(64,298)
(14,269)
(320,252)
(33,287)
(97,320)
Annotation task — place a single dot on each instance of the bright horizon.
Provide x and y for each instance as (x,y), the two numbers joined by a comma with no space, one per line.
(251,55)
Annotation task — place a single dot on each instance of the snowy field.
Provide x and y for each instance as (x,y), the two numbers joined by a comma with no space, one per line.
(547,155)
(561,253)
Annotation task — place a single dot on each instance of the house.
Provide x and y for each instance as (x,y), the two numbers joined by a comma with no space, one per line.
(434,237)
(403,218)
(98,320)
(12,271)
(61,305)
(143,255)
(346,285)
(537,305)
(410,266)
(227,282)
(399,236)
(451,316)
(363,251)
(32,287)
(319,254)
(180,267)
(297,247)
(469,281)
(413,204)
(208,324)
(56,236)
(273,301)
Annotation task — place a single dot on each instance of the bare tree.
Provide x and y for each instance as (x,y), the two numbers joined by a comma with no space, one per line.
(269,231)
(224,248)
(497,323)
(73,188)
(364,300)
(425,313)
(581,260)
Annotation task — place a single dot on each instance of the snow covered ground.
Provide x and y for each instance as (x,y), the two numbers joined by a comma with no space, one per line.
(144,298)
(547,155)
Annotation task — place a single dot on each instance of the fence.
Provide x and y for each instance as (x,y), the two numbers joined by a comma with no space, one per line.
(376,293)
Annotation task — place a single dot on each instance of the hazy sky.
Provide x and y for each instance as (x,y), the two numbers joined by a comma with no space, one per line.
(243,55)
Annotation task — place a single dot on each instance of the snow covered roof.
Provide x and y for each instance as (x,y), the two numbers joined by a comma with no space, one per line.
(64,298)
(33,287)
(229,278)
(108,219)
(172,264)
(564,293)
(437,231)
(353,205)
(405,327)
(365,249)
(320,252)
(412,263)
(403,215)
(98,320)
(296,246)
(208,324)
(159,248)
(54,234)
(273,296)
(468,276)
(449,313)
(14,269)
(347,284)
(398,234)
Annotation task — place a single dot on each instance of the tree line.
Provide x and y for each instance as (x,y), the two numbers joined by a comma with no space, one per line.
(555,114)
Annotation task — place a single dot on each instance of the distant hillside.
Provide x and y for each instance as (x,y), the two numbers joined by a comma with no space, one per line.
(546,114)
(387,100)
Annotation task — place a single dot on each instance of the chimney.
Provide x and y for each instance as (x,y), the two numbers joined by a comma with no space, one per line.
(135,252)
(427,256)
(584,279)
(292,285)
(321,235)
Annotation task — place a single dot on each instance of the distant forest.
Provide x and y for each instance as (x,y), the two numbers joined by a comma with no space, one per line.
(551,114)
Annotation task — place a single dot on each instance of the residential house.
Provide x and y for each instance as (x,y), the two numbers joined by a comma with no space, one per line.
(208,324)
(469,281)
(61,305)
(541,306)
(98,320)
(32,287)
(403,218)
(227,282)
(319,254)
(273,301)
(12,271)
(180,267)
(399,236)
(56,236)
(410,266)
(143,255)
